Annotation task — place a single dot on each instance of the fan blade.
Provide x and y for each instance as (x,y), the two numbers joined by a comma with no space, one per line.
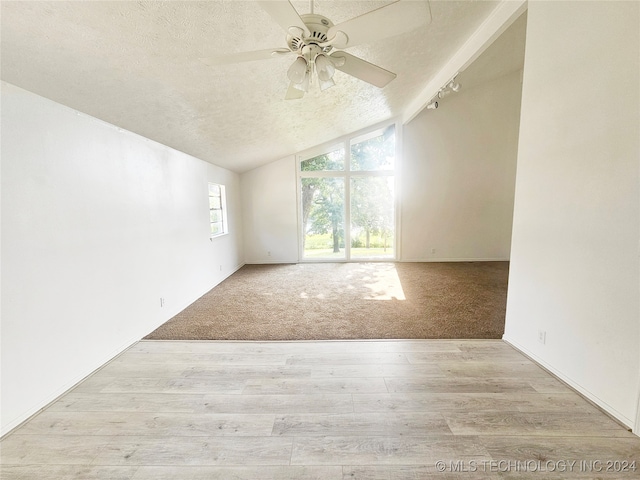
(245,56)
(284,15)
(363,70)
(293,93)
(388,21)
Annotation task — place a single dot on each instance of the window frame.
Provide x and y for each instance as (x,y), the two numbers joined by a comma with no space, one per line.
(347,174)
(223,209)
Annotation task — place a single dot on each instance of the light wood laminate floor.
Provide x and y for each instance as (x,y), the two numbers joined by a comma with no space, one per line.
(469,409)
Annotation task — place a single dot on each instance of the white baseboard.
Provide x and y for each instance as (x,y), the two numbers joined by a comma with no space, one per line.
(435,259)
(273,262)
(629,423)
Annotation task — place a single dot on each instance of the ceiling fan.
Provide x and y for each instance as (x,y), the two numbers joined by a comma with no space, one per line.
(318,43)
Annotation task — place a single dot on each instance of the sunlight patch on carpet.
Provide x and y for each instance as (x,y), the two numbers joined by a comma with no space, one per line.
(383,281)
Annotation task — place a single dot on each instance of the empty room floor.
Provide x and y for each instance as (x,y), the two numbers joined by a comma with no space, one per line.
(471,409)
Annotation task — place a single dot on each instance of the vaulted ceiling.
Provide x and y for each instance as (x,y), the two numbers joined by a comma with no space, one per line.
(137,65)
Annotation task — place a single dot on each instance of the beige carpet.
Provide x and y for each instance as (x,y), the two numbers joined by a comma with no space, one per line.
(324,301)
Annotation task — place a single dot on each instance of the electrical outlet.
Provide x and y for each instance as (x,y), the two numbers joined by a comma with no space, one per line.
(161,302)
(433,250)
(269,253)
(220,267)
(542,336)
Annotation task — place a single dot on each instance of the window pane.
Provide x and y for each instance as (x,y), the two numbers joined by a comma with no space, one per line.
(323,217)
(372,217)
(214,189)
(216,216)
(331,161)
(375,151)
(214,202)
(216,228)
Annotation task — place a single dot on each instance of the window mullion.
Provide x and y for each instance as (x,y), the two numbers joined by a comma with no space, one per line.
(347,200)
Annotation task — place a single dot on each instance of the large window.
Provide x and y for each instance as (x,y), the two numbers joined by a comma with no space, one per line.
(349,184)
(217,209)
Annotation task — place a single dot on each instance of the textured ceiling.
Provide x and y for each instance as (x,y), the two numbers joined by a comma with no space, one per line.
(136,64)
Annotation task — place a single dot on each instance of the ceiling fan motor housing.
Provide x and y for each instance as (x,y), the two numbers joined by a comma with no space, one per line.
(318,27)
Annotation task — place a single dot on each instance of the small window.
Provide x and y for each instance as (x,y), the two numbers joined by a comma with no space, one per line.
(333,160)
(217,210)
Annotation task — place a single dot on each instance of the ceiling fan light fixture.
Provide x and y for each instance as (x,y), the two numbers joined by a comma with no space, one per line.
(298,71)
(304,84)
(324,68)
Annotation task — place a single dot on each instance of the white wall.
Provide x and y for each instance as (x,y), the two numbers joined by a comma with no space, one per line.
(574,259)
(270,214)
(458,175)
(97,225)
